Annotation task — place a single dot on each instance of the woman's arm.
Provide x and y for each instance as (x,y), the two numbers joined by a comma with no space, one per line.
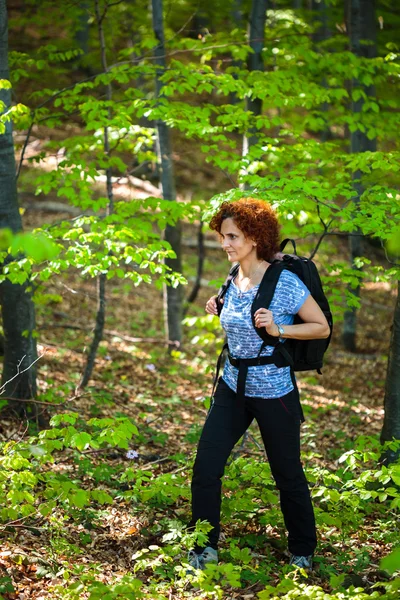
(315,325)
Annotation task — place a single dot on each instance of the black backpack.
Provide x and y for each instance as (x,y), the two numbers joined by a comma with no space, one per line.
(300,355)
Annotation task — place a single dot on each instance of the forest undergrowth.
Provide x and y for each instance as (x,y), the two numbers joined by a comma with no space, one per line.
(95,505)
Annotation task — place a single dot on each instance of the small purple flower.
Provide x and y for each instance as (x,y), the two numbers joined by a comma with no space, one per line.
(150,367)
(132,454)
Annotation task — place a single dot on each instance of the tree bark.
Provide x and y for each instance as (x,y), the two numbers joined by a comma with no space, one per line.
(200,265)
(16,303)
(321,13)
(172,296)
(362,27)
(237,22)
(255,63)
(320,35)
(101,283)
(82,33)
(391,422)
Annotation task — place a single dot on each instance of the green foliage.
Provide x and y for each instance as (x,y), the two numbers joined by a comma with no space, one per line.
(393,244)
(122,245)
(28,486)
(344,498)
(203,329)
(35,249)
(6,586)
(17,114)
(288,589)
(391,563)
(128,588)
(304,91)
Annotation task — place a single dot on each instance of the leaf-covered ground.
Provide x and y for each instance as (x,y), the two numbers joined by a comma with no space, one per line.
(42,556)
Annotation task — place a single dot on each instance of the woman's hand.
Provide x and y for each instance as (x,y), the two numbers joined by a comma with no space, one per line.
(264,318)
(211,306)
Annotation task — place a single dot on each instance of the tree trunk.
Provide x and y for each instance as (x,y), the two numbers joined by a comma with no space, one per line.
(361,26)
(320,35)
(82,33)
(82,38)
(255,63)
(237,22)
(200,266)
(321,13)
(101,283)
(172,296)
(16,303)
(391,423)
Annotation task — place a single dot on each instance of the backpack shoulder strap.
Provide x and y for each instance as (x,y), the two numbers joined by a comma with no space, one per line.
(224,287)
(284,243)
(264,297)
(268,283)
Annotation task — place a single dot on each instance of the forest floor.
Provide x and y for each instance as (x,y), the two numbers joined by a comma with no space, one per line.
(164,396)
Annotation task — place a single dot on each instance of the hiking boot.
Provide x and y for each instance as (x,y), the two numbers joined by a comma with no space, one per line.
(199,561)
(304,562)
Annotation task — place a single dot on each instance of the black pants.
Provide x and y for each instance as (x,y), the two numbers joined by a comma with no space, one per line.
(279,423)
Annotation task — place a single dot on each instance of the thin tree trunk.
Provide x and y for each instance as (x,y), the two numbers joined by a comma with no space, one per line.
(237,20)
(172,296)
(101,283)
(255,63)
(361,26)
(82,38)
(320,35)
(321,13)
(17,308)
(391,423)
(82,32)
(200,265)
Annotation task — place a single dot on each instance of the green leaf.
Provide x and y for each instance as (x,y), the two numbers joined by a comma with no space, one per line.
(81,441)
(102,497)
(69,417)
(5,84)
(5,238)
(391,563)
(36,246)
(79,498)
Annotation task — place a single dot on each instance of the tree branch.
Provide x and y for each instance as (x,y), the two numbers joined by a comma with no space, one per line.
(18,373)
(42,403)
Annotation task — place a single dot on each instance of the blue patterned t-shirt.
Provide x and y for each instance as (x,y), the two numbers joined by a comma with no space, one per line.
(263,381)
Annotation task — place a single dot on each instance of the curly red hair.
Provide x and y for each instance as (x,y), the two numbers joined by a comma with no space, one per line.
(256,219)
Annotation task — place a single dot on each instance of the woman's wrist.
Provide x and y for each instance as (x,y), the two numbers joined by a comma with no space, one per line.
(278,331)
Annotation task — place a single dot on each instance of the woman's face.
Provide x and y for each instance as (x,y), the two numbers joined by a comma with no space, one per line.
(234,242)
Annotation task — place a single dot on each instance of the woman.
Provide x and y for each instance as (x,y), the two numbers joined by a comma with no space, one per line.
(249,233)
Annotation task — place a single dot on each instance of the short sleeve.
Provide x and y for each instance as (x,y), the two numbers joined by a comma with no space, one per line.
(290,294)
